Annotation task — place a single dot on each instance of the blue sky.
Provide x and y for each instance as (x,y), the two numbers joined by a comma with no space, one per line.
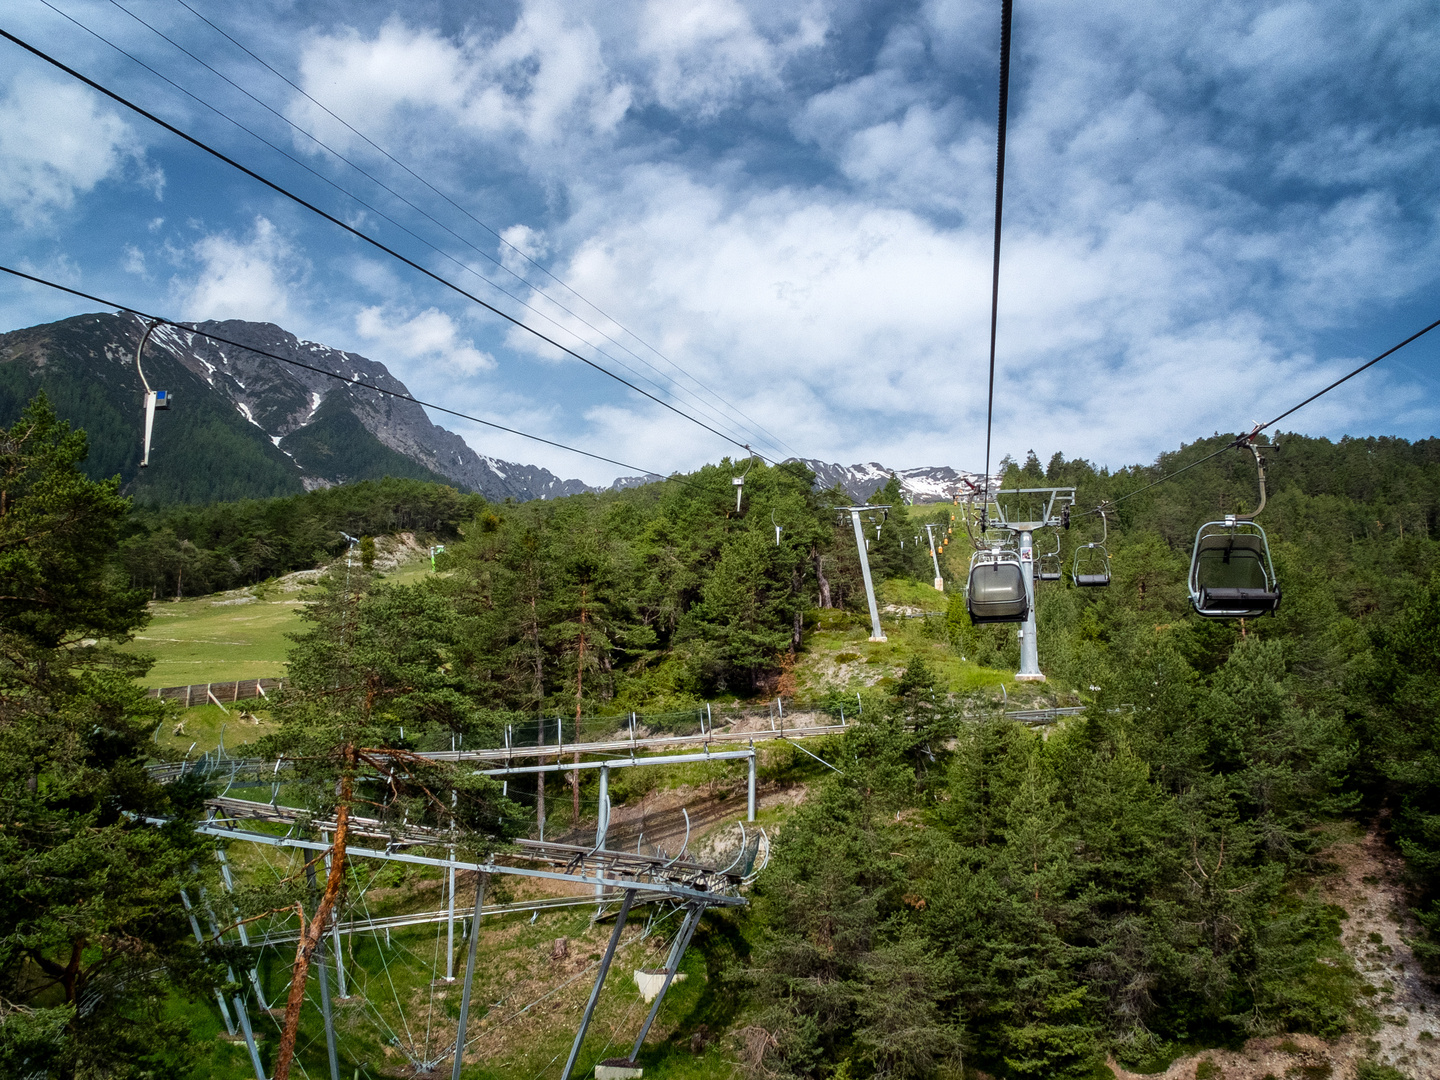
(1212,209)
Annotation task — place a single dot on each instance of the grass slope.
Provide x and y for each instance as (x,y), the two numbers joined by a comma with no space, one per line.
(241,634)
(220,638)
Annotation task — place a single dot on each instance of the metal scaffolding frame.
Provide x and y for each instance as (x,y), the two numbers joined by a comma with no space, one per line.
(635,877)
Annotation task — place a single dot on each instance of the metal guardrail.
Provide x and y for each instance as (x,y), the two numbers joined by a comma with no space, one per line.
(1044,716)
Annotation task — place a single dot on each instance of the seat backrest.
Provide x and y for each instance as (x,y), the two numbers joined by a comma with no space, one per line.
(997,583)
(1219,564)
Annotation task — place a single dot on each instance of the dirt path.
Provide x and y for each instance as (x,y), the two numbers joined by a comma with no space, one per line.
(1366,884)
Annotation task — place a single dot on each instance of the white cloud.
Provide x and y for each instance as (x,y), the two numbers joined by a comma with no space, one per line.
(522,244)
(542,79)
(1194,196)
(251,278)
(429,337)
(705,53)
(57,142)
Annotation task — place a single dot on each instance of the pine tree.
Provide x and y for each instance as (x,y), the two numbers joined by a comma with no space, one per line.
(94,936)
(367,680)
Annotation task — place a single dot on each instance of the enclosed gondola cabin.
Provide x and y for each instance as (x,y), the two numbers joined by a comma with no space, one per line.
(1231,575)
(996,591)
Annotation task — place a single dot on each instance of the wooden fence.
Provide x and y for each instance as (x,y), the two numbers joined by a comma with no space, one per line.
(221,693)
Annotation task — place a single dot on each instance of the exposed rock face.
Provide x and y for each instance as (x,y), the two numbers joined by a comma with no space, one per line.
(245,425)
(282,399)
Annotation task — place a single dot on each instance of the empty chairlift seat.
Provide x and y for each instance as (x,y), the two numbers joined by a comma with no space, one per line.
(1048,566)
(996,591)
(1092,566)
(1231,575)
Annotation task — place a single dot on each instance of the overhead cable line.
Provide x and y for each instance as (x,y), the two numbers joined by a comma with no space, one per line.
(373,209)
(1369,363)
(999,209)
(703,406)
(162,321)
(1242,440)
(281,190)
(773,439)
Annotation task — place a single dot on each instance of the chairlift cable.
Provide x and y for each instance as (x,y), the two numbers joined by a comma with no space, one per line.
(775,440)
(703,406)
(330,374)
(1369,363)
(1005,7)
(1248,436)
(345,192)
(298,200)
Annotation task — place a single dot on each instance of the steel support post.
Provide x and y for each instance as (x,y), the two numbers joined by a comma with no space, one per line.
(602,823)
(480,880)
(935,559)
(750,794)
(876,634)
(255,1062)
(325,1010)
(672,964)
(236,999)
(200,940)
(1029,646)
(450,926)
(620,917)
(229,883)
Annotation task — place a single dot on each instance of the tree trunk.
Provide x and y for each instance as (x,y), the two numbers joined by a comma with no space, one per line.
(820,577)
(310,935)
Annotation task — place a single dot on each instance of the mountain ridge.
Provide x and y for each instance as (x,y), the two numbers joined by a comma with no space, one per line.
(245,425)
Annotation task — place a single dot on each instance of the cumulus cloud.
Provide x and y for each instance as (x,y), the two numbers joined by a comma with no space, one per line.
(429,337)
(56,142)
(251,277)
(543,78)
(702,54)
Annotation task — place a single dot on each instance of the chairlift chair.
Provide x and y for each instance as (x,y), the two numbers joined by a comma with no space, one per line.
(1091,566)
(1049,567)
(996,590)
(1231,575)
(739,481)
(154,399)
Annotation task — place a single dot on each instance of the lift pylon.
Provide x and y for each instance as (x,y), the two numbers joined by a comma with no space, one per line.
(876,634)
(1005,510)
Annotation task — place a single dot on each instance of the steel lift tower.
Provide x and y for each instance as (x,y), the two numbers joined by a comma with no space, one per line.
(1054,504)
(876,634)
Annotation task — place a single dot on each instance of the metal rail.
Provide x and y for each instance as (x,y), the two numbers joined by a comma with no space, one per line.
(621,748)
(424,918)
(567,862)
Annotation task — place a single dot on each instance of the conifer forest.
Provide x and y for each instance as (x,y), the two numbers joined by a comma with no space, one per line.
(955,893)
